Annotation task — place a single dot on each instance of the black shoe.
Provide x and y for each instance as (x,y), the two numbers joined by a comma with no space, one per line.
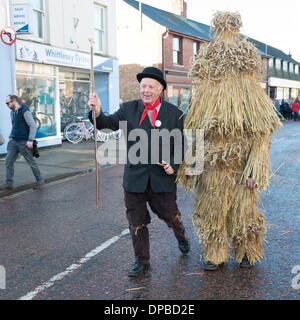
(39,185)
(245,263)
(209,266)
(184,245)
(138,269)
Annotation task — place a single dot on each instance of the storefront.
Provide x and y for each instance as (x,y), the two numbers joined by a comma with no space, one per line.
(55,84)
(284,89)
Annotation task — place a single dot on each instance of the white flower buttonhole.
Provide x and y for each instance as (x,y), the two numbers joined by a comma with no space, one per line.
(157,123)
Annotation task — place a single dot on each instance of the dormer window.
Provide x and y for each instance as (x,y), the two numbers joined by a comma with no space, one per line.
(271,63)
(278,64)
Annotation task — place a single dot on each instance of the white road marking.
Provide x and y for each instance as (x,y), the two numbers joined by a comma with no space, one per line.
(73,267)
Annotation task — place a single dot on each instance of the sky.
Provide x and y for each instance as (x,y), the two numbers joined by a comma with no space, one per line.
(274,22)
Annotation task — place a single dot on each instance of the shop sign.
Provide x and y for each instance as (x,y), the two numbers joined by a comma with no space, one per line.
(22,18)
(32,52)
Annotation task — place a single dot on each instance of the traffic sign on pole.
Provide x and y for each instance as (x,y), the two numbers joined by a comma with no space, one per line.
(8,36)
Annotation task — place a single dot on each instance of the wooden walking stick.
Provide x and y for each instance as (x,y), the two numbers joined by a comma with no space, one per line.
(94,119)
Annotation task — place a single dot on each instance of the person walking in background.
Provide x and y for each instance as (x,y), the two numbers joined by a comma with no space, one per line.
(295,109)
(284,109)
(20,141)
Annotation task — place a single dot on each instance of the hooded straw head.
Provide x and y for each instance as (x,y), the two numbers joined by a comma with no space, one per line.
(226,25)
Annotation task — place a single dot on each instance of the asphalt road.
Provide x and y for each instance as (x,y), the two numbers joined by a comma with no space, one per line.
(55,244)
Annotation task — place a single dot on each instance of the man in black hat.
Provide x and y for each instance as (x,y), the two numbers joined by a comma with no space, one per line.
(148,182)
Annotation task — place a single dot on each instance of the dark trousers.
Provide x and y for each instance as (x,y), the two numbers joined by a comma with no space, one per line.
(163,205)
(13,149)
(295,115)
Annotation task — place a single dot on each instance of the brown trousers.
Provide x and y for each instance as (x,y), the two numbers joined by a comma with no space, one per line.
(163,205)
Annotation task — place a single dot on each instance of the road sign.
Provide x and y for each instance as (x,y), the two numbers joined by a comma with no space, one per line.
(8,36)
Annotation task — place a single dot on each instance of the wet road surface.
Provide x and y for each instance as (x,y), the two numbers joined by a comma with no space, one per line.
(56,245)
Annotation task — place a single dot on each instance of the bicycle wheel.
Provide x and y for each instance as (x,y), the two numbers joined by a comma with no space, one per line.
(73,133)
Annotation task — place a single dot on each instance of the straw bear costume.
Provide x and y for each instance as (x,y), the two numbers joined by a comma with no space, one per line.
(238,119)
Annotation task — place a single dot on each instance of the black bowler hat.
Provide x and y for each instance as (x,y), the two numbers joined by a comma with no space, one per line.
(154,73)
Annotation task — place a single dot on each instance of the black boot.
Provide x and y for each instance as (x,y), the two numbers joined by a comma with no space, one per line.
(245,263)
(209,266)
(138,269)
(184,245)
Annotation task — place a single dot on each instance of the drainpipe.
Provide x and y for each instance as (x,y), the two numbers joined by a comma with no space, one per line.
(164,37)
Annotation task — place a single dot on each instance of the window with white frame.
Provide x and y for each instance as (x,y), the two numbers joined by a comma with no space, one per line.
(278,64)
(195,48)
(291,67)
(271,63)
(285,66)
(296,69)
(99,28)
(38,7)
(177,50)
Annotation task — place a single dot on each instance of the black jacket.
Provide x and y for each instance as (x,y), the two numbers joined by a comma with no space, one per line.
(136,176)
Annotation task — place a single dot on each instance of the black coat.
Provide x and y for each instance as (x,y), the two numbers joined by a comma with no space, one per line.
(136,176)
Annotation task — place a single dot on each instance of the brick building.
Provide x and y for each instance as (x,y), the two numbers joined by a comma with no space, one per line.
(148,36)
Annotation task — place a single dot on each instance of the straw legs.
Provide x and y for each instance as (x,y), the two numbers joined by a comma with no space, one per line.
(227,213)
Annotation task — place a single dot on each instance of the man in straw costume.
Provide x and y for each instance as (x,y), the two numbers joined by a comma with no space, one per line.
(238,119)
(148,182)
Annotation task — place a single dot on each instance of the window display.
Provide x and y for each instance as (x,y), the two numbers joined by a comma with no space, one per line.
(74,91)
(180,97)
(38,93)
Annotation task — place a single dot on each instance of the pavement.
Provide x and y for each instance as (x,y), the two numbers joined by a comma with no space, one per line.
(55,163)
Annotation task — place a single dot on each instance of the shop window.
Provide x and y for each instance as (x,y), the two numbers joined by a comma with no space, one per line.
(177,56)
(279,93)
(41,69)
(38,7)
(37,91)
(180,97)
(74,89)
(24,67)
(273,92)
(99,28)
(286,93)
(294,93)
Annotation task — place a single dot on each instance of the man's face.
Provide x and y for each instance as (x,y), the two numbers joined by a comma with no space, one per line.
(10,103)
(150,90)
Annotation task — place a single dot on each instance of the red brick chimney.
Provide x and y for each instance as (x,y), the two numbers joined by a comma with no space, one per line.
(179,8)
